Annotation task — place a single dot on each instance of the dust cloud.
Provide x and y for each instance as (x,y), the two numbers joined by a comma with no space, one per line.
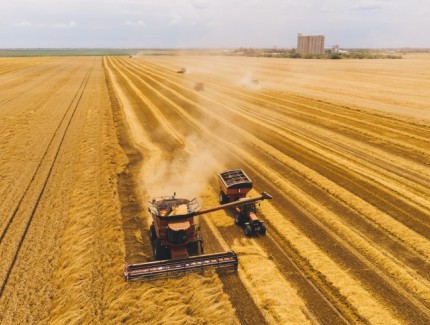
(186,172)
(192,167)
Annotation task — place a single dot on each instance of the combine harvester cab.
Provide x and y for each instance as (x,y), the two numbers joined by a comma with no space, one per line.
(234,186)
(177,245)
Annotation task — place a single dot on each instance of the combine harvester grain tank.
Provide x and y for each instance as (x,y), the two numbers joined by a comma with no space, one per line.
(178,247)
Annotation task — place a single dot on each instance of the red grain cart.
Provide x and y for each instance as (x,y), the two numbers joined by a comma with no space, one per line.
(234,186)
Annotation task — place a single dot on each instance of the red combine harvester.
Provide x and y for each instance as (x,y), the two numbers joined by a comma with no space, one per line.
(174,233)
(234,186)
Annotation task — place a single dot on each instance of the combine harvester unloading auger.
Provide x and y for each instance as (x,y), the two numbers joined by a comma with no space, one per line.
(174,233)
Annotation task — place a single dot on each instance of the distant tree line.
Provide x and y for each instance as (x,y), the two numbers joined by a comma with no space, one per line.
(292,53)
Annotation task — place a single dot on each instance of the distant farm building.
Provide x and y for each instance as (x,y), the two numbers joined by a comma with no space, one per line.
(335,49)
(310,44)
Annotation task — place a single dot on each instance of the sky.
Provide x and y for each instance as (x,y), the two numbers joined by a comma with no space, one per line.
(212,23)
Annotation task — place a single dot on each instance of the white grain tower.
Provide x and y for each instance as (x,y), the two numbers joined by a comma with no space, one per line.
(310,44)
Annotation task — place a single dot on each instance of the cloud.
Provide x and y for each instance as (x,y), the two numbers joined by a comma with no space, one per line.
(134,23)
(199,23)
(23,24)
(28,24)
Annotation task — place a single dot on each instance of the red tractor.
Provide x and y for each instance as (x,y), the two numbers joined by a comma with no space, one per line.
(174,233)
(234,186)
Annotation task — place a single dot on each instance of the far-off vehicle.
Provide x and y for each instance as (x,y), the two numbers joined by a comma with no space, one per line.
(234,186)
(255,81)
(199,86)
(182,70)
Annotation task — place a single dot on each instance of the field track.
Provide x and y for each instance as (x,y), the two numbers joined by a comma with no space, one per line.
(88,141)
(51,150)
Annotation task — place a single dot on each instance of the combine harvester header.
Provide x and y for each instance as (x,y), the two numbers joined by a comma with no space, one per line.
(176,241)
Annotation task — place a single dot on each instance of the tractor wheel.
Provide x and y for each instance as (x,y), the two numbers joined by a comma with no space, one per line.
(248,230)
(160,252)
(262,229)
(237,218)
(193,248)
(152,233)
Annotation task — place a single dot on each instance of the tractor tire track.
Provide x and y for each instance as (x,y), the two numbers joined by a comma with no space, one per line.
(35,190)
(24,117)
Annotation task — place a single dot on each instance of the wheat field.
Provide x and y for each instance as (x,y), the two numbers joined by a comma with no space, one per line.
(343,146)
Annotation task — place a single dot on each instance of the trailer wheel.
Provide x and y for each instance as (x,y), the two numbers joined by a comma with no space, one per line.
(222,198)
(248,230)
(160,252)
(262,229)
(152,233)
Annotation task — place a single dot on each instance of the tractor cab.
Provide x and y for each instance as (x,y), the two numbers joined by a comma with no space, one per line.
(248,207)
